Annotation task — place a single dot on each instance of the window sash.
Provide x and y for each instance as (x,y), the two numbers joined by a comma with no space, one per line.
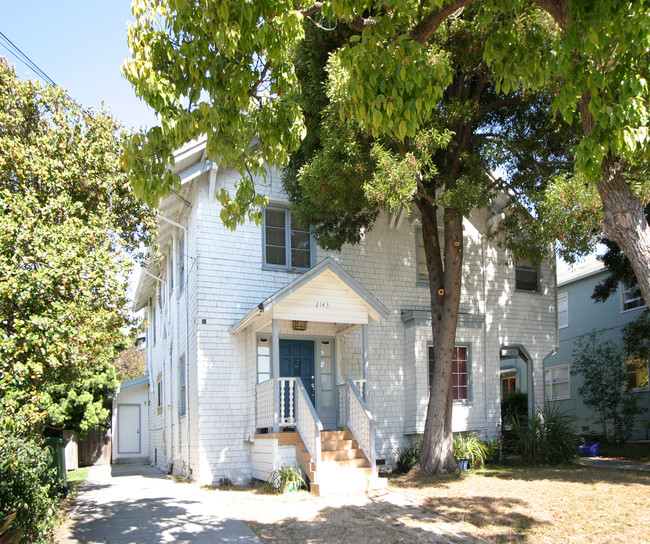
(423,271)
(562,310)
(460,372)
(286,245)
(631,300)
(526,277)
(557,383)
(637,374)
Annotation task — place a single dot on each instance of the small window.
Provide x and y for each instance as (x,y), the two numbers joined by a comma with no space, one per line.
(180,256)
(526,277)
(286,244)
(632,298)
(557,384)
(182,403)
(562,310)
(423,271)
(459,372)
(263,360)
(637,374)
(153,321)
(159,397)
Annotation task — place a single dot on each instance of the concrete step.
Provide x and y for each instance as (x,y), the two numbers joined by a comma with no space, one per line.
(342,455)
(336,435)
(331,445)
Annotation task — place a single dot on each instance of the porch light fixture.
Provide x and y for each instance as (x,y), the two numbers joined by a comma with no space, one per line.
(299,325)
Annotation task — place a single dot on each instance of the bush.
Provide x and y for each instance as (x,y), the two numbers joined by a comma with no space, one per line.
(514,405)
(545,438)
(408,457)
(28,487)
(470,447)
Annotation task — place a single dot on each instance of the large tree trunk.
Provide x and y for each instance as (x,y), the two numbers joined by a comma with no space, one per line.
(625,223)
(445,284)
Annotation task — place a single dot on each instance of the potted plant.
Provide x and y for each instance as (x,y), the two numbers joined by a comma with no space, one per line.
(287,478)
(469,450)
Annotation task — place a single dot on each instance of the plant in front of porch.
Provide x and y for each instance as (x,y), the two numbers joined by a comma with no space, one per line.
(287,478)
(469,448)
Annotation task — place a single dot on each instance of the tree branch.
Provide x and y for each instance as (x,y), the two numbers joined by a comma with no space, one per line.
(424,29)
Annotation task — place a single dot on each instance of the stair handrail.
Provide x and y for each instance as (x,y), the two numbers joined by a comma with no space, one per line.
(361,423)
(308,425)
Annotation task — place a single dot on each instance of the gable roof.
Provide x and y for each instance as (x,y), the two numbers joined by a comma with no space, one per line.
(325,293)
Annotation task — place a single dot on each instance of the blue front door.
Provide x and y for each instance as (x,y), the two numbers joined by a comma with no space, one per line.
(297,361)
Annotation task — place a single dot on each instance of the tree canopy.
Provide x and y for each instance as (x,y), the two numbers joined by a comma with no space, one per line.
(68,222)
(225,69)
(343,174)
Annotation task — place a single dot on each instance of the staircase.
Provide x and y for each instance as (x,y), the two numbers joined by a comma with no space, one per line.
(343,467)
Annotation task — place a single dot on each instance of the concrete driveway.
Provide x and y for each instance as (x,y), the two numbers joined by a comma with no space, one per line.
(138,504)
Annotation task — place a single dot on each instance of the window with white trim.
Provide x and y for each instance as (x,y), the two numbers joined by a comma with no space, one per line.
(631,298)
(286,244)
(556,381)
(459,372)
(526,276)
(182,387)
(423,271)
(562,310)
(180,256)
(159,392)
(263,360)
(637,374)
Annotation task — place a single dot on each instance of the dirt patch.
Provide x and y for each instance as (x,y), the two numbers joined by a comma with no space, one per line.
(381,517)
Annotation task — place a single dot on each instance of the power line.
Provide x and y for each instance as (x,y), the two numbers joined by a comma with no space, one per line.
(22,57)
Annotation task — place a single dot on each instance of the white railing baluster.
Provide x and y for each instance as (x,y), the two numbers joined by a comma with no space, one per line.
(308,426)
(361,422)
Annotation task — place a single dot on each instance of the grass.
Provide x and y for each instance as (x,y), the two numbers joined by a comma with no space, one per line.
(76,477)
(540,505)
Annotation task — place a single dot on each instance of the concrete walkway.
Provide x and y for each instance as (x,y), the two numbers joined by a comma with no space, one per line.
(138,504)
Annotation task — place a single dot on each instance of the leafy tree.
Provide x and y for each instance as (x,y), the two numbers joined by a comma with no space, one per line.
(342,175)
(602,367)
(68,221)
(131,364)
(225,69)
(636,334)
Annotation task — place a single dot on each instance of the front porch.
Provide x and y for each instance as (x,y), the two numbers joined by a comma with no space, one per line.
(302,376)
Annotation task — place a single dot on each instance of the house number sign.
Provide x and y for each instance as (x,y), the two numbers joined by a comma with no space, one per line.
(322,304)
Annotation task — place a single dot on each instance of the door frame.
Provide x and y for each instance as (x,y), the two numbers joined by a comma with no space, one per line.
(139,431)
(316,339)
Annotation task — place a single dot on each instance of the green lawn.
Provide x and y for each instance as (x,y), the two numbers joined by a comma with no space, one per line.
(76,477)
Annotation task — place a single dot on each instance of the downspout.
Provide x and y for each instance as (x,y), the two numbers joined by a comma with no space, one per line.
(364,342)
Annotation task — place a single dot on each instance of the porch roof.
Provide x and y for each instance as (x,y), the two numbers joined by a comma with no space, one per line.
(326,293)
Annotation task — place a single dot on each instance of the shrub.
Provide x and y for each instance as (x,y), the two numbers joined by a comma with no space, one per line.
(28,487)
(408,457)
(513,405)
(470,447)
(284,475)
(545,438)
(492,450)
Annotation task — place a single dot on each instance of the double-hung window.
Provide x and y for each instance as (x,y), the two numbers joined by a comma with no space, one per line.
(562,310)
(286,244)
(459,372)
(182,387)
(637,374)
(423,271)
(556,380)
(631,298)
(526,277)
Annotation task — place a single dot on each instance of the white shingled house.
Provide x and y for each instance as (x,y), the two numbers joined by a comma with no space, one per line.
(261,347)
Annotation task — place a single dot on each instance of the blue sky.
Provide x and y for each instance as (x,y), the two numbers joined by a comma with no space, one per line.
(81,46)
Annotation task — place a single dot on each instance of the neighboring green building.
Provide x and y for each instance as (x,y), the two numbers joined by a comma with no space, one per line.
(577,315)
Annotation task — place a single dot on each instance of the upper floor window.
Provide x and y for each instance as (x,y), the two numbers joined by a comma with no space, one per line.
(556,381)
(631,298)
(637,374)
(286,245)
(526,276)
(459,372)
(182,387)
(562,310)
(423,271)
(180,257)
